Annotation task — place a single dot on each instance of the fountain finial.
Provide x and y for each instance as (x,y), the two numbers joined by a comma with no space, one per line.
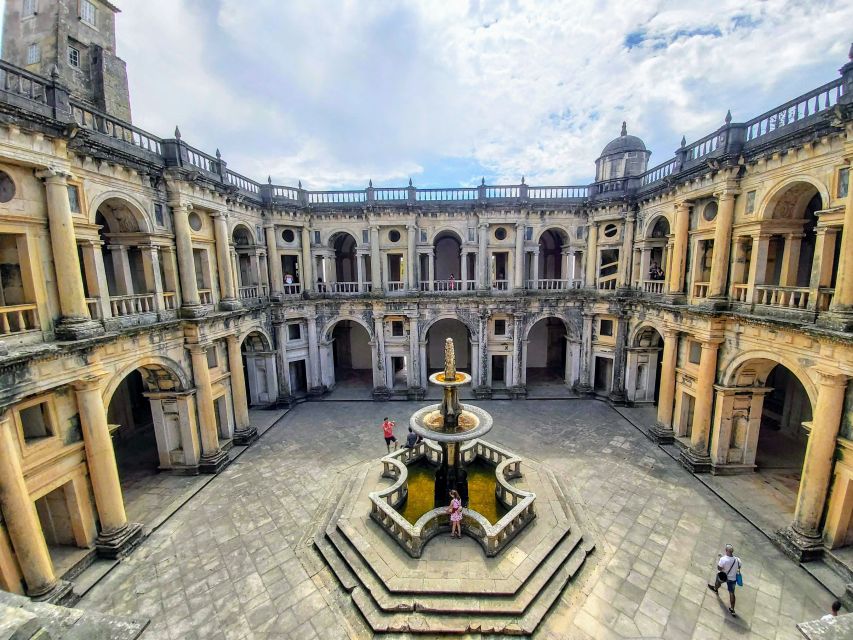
(449,360)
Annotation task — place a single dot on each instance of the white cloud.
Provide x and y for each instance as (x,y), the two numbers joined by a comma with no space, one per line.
(341,91)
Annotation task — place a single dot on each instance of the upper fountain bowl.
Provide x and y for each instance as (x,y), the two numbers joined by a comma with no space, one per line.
(457,381)
(428,422)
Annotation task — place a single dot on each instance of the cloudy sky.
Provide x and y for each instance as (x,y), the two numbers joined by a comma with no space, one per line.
(445,91)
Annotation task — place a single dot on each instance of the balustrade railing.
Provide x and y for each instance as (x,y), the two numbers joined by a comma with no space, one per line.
(740,292)
(391,194)
(252,291)
(815,101)
(703,147)
(205,296)
(94,306)
(500,285)
(659,172)
(784,297)
(557,193)
(286,193)
(22,83)
(607,283)
(440,195)
(170,300)
(18,318)
(336,197)
(242,182)
(131,305)
(653,286)
(95,120)
(345,287)
(824,299)
(503,192)
(700,289)
(294,289)
(395,286)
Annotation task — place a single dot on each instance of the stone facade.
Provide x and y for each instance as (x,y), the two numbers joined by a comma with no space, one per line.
(147,287)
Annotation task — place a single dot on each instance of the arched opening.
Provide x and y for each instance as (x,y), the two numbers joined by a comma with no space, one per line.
(546,355)
(655,258)
(259,369)
(248,265)
(352,356)
(552,261)
(447,248)
(782,438)
(642,382)
(436,335)
(346,269)
(148,422)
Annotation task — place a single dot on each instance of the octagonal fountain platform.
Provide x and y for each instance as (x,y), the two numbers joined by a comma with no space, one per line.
(525,546)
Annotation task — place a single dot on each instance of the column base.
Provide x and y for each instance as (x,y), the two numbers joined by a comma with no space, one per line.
(213,463)
(673,298)
(661,434)
(382,394)
(416,393)
(839,320)
(718,303)
(483,393)
(244,437)
(801,547)
(230,304)
(193,311)
(518,392)
(59,593)
(695,462)
(732,469)
(117,544)
(316,392)
(584,389)
(617,397)
(69,329)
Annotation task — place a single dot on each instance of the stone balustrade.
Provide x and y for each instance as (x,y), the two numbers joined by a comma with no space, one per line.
(18,318)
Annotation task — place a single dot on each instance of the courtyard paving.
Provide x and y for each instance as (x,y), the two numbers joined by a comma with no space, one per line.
(226,565)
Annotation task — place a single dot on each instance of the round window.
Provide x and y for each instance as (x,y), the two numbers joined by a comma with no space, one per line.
(394,235)
(500,233)
(195,222)
(610,230)
(287,235)
(7,187)
(710,211)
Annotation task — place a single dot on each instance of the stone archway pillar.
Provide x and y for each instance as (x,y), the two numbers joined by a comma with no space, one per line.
(678,266)
(722,244)
(244,432)
(696,458)
(228,293)
(662,432)
(117,535)
(585,382)
(190,302)
(414,368)
(213,458)
(803,538)
(423,362)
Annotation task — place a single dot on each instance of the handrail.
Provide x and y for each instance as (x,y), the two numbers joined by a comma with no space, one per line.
(100,122)
(800,108)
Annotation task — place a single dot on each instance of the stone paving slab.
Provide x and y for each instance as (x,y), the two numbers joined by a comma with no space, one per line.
(225,566)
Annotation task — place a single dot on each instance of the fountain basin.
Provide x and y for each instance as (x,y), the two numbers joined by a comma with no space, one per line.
(385,504)
(473,423)
(456,381)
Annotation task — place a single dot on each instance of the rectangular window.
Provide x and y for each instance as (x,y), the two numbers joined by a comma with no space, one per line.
(750,202)
(844,182)
(29,8)
(365,236)
(605,327)
(158,215)
(397,328)
(33,53)
(528,233)
(88,12)
(695,354)
(500,327)
(73,57)
(294,332)
(471,234)
(212,361)
(423,235)
(35,421)
(259,234)
(74,198)
(316,237)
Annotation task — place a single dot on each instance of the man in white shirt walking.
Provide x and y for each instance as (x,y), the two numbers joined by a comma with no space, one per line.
(830,617)
(728,566)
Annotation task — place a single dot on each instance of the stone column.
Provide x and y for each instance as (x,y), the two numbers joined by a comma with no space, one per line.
(483,255)
(696,458)
(412,257)
(227,294)
(274,263)
(190,302)
(414,353)
(213,458)
(662,432)
(591,255)
(535,263)
(585,384)
(75,321)
(617,390)
(626,254)
(804,535)
(96,277)
(518,281)
(381,374)
(307,278)
(842,300)
(678,266)
(121,269)
(244,432)
(757,264)
(375,260)
(153,274)
(431,262)
(790,260)
(722,244)
(117,536)
(316,386)
(283,392)
(21,519)
(464,272)
(517,359)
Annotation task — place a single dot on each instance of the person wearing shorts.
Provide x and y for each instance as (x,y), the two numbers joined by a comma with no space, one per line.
(728,566)
(388,430)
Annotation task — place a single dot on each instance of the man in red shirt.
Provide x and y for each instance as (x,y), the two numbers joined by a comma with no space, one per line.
(388,430)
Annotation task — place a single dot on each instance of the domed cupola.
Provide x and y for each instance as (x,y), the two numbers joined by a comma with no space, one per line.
(623,157)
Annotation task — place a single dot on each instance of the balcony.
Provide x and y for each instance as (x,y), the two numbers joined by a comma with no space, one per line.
(132,305)
(247,293)
(700,289)
(782,297)
(500,285)
(170,300)
(553,284)
(395,286)
(18,318)
(655,287)
(288,290)
(740,292)
(449,286)
(205,296)
(607,283)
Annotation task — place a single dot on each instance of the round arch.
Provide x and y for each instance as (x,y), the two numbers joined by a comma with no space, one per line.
(787,193)
(137,210)
(243,228)
(544,315)
(651,224)
(161,372)
(330,326)
(564,234)
(766,361)
(447,232)
(425,327)
(636,332)
(267,340)
(337,233)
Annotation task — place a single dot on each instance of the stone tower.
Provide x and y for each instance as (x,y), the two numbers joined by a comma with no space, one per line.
(77,38)
(623,157)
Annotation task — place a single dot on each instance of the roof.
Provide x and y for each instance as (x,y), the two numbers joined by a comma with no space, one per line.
(624,143)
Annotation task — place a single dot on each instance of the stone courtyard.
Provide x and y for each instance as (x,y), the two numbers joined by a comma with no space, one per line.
(235,562)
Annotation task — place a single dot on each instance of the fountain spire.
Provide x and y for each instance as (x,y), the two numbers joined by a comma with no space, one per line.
(449,360)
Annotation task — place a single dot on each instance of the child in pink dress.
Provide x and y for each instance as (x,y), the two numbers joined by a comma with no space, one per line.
(455,511)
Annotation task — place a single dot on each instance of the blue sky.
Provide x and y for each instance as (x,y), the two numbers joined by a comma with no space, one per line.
(337,92)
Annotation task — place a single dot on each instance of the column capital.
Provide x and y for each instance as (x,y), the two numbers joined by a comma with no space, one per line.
(669,332)
(828,378)
(92,382)
(180,205)
(219,214)
(482,225)
(232,338)
(52,175)
(726,193)
(197,348)
(682,205)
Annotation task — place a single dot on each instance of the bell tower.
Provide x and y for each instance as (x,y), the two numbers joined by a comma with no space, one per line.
(76,38)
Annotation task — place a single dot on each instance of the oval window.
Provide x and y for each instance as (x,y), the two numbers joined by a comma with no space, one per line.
(610,230)
(710,211)
(288,236)
(195,222)
(7,187)
(500,233)
(394,235)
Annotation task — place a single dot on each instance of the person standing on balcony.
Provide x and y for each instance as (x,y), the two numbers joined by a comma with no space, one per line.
(452,282)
